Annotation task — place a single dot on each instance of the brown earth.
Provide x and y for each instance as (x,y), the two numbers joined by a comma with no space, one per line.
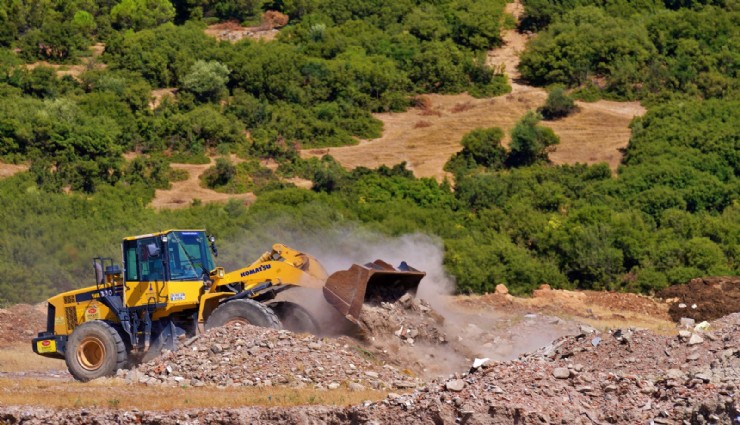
(426,137)
(703,299)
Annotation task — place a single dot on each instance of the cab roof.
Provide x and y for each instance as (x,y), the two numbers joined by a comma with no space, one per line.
(164,232)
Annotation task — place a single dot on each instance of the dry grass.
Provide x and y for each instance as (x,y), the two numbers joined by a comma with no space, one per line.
(7,170)
(20,358)
(422,124)
(114,393)
(461,107)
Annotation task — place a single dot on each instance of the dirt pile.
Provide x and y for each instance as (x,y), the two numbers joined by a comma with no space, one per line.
(245,355)
(21,322)
(624,377)
(620,377)
(701,299)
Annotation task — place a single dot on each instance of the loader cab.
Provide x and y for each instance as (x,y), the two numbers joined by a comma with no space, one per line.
(177,255)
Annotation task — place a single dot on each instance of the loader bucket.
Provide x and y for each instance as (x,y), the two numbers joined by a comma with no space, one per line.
(378,281)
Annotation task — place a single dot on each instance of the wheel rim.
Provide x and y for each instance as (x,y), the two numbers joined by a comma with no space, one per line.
(237,320)
(90,353)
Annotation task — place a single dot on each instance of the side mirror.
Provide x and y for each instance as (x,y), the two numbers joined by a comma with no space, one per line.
(99,278)
(214,250)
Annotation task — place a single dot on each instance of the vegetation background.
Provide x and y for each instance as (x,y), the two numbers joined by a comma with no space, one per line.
(671,213)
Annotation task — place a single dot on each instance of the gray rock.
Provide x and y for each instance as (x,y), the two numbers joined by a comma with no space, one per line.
(695,339)
(687,322)
(354,386)
(684,334)
(456,385)
(561,373)
(333,385)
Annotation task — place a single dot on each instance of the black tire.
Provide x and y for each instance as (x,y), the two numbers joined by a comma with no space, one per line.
(295,318)
(95,349)
(243,311)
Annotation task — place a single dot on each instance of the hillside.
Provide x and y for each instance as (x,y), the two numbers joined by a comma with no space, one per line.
(426,137)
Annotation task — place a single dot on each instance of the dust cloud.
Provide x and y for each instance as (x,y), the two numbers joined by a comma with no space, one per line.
(469,333)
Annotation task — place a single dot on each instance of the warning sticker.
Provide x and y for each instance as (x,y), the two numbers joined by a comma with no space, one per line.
(46,346)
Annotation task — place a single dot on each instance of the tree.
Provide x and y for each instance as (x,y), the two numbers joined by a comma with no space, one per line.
(207,80)
(557,105)
(141,14)
(530,141)
(221,174)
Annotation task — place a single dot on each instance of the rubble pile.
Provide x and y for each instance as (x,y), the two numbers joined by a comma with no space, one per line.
(590,378)
(618,377)
(409,319)
(245,355)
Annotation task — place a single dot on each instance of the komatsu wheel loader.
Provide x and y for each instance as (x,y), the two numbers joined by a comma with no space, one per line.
(169,288)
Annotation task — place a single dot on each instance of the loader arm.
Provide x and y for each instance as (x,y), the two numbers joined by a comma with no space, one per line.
(279,266)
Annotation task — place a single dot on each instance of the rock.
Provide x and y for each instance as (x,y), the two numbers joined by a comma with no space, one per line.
(404,384)
(372,374)
(684,334)
(456,385)
(703,326)
(502,289)
(695,339)
(477,363)
(354,386)
(561,373)
(687,322)
(333,385)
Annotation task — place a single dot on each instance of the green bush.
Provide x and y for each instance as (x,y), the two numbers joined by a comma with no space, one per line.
(557,105)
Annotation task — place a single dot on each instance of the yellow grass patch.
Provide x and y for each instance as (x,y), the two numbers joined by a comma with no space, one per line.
(21,358)
(114,393)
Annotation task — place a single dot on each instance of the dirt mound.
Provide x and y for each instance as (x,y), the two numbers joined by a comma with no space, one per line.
(701,299)
(251,356)
(21,322)
(622,377)
(590,378)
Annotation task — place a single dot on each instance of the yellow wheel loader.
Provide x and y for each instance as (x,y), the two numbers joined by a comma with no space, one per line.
(169,288)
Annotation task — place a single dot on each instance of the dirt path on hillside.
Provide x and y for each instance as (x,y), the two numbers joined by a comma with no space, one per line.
(426,138)
(7,170)
(181,194)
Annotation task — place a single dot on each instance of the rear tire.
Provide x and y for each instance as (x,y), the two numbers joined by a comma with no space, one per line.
(95,349)
(243,311)
(295,318)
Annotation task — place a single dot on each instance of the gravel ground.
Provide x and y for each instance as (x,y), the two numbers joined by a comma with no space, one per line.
(623,377)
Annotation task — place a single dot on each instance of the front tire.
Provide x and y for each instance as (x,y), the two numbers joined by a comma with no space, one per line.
(295,318)
(95,349)
(243,311)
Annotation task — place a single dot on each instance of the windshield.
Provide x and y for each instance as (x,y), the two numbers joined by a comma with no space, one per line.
(188,255)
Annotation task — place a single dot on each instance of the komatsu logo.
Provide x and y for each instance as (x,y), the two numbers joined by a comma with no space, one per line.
(256,270)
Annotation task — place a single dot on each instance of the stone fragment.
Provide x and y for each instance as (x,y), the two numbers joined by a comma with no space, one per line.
(561,373)
(695,340)
(456,385)
(354,386)
(502,289)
